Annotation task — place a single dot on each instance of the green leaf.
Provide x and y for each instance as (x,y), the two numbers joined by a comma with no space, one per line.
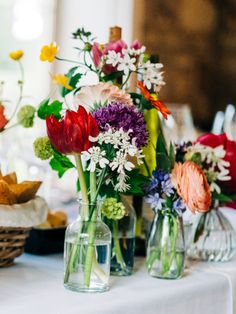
(163,162)
(222,197)
(137,182)
(112,76)
(46,109)
(60,163)
(141,102)
(172,155)
(161,146)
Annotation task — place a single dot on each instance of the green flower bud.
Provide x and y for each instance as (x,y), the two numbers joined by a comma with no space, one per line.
(113,209)
(87,47)
(25,116)
(43,148)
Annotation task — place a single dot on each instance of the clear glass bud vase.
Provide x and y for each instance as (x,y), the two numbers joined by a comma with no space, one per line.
(123,241)
(87,251)
(166,250)
(213,237)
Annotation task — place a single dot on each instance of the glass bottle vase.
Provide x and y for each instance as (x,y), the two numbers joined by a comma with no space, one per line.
(123,241)
(166,250)
(87,251)
(213,237)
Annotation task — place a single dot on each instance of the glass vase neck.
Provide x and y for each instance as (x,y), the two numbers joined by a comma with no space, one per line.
(89,211)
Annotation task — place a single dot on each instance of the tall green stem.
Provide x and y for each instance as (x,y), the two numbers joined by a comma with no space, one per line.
(21,82)
(117,249)
(83,186)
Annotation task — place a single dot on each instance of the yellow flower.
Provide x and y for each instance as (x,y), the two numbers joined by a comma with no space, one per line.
(48,53)
(16,55)
(62,80)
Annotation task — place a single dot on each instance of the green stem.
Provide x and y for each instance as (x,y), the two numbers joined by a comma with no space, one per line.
(83,186)
(90,249)
(21,90)
(126,80)
(117,249)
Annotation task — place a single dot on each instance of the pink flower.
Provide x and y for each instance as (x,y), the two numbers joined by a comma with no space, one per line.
(136,45)
(97,54)
(191,184)
(116,46)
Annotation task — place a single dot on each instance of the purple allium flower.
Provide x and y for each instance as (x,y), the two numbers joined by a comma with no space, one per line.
(155,201)
(117,115)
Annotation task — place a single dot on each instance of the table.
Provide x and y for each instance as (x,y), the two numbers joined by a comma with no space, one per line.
(34,286)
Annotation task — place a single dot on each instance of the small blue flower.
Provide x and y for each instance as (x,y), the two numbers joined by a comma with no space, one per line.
(155,201)
(179,206)
(167,186)
(152,186)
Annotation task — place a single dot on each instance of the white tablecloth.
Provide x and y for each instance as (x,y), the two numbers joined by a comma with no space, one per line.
(34,286)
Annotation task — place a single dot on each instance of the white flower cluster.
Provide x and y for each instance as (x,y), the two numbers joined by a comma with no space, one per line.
(125,150)
(128,62)
(216,166)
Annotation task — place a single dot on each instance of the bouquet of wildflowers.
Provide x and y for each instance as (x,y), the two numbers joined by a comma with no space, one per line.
(213,155)
(172,187)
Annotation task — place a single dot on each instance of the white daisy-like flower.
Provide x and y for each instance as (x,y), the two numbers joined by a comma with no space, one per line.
(120,163)
(126,64)
(96,156)
(113,58)
(135,52)
(152,76)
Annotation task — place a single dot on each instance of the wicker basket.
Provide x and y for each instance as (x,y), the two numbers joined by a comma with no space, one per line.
(12,241)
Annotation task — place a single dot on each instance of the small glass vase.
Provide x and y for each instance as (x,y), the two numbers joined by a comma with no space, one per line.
(87,251)
(123,241)
(166,250)
(213,237)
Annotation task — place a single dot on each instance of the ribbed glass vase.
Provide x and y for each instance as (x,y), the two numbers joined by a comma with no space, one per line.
(213,237)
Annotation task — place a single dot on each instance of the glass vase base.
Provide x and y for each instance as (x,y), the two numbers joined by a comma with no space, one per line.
(170,267)
(83,289)
(210,255)
(121,272)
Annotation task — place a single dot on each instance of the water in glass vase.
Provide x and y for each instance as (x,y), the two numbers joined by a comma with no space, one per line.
(168,265)
(122,260)
(100,266)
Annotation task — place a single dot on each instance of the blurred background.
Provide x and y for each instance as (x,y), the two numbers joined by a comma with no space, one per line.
(195,40)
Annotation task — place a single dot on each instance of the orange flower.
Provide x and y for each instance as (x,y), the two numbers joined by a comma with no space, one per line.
(191,184)
(153,98)
(3,119)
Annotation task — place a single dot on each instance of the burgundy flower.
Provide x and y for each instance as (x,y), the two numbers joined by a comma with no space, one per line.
(214,140)
(71,134)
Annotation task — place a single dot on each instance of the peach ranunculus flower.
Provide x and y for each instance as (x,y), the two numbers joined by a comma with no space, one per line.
(191,184)
(95,96)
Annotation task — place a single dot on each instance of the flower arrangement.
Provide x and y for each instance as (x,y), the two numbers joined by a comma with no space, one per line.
(215,162)
(24,115)
(105,127)
(173,187)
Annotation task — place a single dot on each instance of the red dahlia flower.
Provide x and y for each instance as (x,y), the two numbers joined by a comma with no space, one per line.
(214,140)
(71,134)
